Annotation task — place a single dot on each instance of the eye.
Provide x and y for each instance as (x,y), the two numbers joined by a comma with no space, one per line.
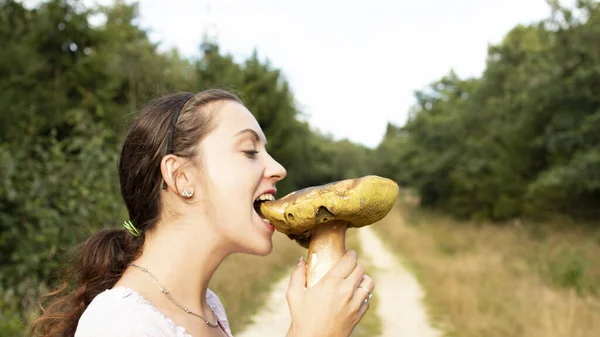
(251,153)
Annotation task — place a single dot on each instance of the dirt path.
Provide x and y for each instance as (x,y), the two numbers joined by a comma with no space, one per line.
(399,298)
(273,320)
(399,294)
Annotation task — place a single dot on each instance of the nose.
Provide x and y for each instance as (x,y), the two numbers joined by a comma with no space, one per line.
(275,170)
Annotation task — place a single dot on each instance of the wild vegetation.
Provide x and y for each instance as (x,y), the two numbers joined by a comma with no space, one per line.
(482,279)
(517,149)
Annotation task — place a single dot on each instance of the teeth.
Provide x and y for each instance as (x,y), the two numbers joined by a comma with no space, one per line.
(266,197)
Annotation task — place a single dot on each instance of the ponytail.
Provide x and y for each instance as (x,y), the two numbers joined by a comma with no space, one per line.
(101,261)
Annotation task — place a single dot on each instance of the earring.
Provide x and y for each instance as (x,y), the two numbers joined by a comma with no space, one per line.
(187,194)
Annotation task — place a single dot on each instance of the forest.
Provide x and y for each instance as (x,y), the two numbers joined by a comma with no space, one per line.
(522,141)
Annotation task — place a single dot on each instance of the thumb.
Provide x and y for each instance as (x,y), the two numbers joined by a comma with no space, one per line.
(298,278)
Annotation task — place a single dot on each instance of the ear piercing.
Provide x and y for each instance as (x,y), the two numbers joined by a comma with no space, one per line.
(187,193)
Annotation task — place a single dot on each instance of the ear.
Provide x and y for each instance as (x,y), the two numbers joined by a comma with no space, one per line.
(177,178)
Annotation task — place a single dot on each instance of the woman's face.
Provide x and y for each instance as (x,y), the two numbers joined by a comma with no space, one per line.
(236,170)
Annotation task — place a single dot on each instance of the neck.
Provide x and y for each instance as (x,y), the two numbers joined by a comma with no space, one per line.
(183,263)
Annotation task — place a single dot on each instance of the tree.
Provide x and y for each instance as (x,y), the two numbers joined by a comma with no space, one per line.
(516,141)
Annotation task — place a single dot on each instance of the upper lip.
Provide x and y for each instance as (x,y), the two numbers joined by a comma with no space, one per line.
(272,191)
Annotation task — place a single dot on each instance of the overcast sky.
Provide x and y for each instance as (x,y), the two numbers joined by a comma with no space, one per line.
(353,65)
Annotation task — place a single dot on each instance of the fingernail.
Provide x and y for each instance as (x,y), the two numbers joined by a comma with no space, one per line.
(300,261)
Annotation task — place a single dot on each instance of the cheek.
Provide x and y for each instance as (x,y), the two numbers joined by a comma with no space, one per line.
(219,166)
(232,179)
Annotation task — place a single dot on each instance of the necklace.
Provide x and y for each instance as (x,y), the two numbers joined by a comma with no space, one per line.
(166,292)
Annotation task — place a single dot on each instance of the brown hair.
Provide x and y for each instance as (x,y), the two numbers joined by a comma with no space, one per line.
(104,256)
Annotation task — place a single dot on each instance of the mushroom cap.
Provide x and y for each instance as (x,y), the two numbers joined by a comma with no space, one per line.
(358,202)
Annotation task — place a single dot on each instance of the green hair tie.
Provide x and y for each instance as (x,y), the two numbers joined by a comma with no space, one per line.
(131,228)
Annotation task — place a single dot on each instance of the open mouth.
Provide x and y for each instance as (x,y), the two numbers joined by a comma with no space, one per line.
(262,198)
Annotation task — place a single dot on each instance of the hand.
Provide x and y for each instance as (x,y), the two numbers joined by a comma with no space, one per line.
(333,306)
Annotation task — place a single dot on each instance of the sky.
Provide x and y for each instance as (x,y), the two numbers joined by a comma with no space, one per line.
(353,66)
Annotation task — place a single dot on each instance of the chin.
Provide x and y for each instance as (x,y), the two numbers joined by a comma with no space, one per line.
(263,250)
(259,247)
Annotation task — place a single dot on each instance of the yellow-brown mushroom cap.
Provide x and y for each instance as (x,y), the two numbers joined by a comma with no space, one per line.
(359,202)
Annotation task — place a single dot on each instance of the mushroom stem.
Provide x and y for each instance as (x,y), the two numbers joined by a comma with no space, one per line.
(327,246)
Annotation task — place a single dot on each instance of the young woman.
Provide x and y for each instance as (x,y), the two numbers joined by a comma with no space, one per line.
(191,168)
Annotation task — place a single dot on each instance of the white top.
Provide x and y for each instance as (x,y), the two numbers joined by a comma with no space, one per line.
(123,312)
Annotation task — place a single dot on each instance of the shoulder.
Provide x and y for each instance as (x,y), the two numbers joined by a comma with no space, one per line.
(215,303)
(123,312)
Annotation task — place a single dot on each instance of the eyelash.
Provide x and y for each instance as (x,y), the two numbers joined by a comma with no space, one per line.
(251,153)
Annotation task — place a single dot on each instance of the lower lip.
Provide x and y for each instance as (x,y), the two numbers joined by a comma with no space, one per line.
(269,226)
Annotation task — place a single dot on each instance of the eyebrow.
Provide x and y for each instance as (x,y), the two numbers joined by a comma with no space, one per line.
(253,133)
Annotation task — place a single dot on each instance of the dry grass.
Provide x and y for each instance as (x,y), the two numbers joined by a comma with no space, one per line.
(512,280)
(244,282)
(370,324)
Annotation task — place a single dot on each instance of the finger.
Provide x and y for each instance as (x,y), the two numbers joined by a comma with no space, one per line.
(356,277)
(368,283)
(364,291)
(344,266)
(297,279)
(362,310)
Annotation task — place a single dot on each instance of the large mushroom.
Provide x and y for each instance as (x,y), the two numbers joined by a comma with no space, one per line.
(318,217)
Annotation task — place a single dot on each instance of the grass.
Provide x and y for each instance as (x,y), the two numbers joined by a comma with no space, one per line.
(243,282)
(499,281)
